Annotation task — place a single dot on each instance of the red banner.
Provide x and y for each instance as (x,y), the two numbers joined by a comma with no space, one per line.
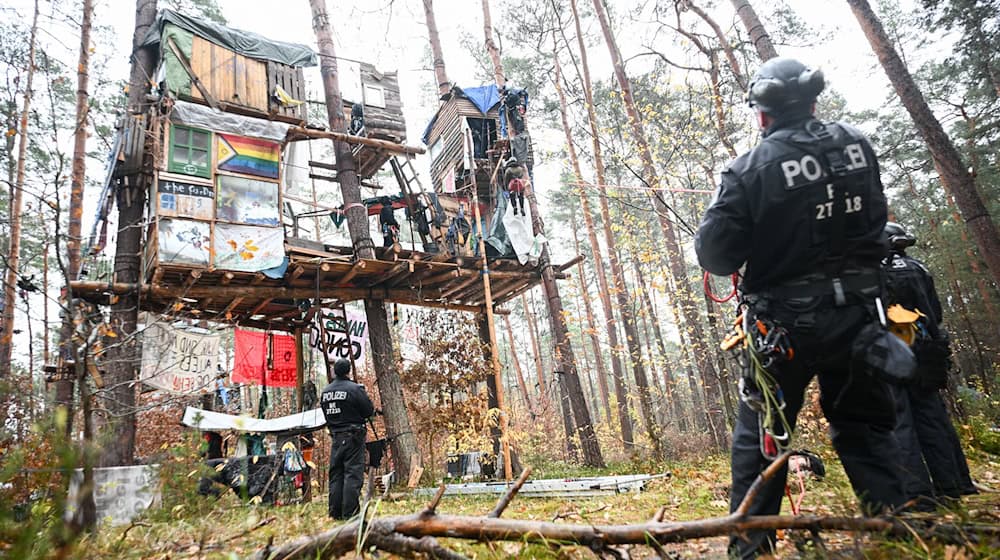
(251,360)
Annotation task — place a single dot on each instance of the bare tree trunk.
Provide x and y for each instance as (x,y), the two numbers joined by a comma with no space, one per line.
(954,173)
(595,339)
(444,86)
(592,396)
(123,349)
(491,46)
(397,422)
(674,251)
(79,143)
(734,64)
(13,259)
(668,377)
(492,388)
(517,368)
(758,34)
(617,370)
(64,387)
(529,316)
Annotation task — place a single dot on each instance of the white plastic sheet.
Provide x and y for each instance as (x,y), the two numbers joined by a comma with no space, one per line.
(208,420)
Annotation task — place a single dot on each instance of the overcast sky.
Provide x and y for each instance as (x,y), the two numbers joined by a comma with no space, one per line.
(391,34)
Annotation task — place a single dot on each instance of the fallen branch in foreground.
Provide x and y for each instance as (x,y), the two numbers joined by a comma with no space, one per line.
(415,533)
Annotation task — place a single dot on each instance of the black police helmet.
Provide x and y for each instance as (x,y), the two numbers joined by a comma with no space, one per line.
(899,239)
(785,85)
(342,367)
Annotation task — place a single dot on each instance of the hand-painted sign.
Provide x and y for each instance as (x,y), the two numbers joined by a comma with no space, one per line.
(264,358)
(184,199)
(345,337)
(248,248)
(249,156)
(183,241)
(247,201)
(178,361)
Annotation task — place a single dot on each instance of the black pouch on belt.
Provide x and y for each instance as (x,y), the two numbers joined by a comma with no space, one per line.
(880,353)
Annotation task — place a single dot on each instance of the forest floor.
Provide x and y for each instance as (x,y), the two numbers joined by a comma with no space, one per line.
(226,528)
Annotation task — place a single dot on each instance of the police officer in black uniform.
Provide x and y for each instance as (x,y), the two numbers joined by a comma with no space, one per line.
(912,286)
(805,211)
(346,407)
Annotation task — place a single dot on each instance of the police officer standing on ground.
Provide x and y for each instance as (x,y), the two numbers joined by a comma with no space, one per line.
(346,407)
(912,286)
(805,211)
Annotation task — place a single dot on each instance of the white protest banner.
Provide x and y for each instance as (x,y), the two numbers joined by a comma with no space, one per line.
(344,338)
(179,361)
(120,493)
(409,336)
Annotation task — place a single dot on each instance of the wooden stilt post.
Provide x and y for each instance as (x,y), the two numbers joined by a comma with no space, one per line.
(299,370)
(490,320)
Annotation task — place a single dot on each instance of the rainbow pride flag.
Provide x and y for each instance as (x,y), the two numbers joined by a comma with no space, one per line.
(239,154)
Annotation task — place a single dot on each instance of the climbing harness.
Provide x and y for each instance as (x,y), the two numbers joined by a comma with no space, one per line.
(758,345)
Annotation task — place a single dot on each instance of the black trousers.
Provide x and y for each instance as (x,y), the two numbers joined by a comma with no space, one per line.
(860,409)
(916,479)
(347,472)
(939,443)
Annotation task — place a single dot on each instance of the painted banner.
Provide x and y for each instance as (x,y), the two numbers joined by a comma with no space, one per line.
(344,339)
(185,199)
(409,336)
(264,359)
(249,156)
(183,241)
(248,248)
(448,183)
(179,361)
(120,493)
(247,201)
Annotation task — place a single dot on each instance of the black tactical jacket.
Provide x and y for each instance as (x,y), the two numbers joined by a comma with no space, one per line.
(794,205)
(345,405)
(912,286)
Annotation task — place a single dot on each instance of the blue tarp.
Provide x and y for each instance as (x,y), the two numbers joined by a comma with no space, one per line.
(483,97)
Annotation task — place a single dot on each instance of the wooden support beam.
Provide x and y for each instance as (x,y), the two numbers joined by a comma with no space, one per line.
(192,277)
(299,133)
(226,278)
(298,271)
(157,275)
(258,277)
(257,308)
(253,292)
(570,263)
(232,305)
(401,270)
(355,270)
(460,287)
(509,288)
(442,277)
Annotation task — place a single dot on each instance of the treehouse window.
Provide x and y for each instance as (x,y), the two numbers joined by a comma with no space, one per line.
(189,151)
(435,149)
(484,135)
(375,96)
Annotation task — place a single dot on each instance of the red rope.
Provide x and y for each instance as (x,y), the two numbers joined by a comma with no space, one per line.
(711,295)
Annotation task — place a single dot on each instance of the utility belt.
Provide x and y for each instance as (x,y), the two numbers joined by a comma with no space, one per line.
(838,285)
(347,429)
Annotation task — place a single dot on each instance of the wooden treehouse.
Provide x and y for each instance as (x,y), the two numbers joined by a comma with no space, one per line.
(222,241)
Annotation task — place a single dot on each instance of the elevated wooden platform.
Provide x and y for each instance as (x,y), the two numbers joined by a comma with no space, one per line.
(330,274)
